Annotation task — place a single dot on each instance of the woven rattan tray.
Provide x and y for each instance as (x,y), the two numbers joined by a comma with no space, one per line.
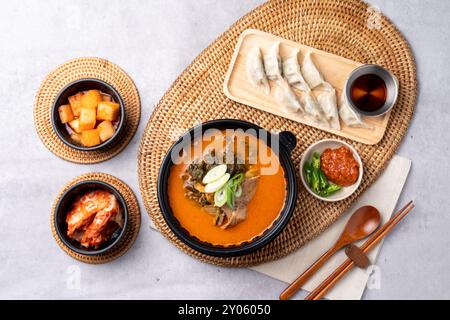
(78,69)
(340,27)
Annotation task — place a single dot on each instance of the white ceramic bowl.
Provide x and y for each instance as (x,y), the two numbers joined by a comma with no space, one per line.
(320,147)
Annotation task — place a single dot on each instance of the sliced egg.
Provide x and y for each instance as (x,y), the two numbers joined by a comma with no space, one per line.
(215,173)
(217,184)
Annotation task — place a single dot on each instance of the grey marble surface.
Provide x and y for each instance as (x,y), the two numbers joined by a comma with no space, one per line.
(154,41)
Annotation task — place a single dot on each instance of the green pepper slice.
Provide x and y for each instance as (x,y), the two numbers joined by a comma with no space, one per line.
(332,188)
(323,181)
(315,181)
(307,169)
(315,160)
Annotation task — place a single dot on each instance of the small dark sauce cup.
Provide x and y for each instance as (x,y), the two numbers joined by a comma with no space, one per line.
(391,88)
(65,203)
(84,85)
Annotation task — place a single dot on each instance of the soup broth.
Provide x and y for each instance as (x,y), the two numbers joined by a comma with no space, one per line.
(369,92)
(262,210)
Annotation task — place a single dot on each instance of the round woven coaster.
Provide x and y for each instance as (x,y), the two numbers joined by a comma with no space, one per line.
(77,69)
(134,219)
(348,28)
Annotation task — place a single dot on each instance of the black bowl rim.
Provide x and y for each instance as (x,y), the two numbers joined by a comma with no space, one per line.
(107,142)
(63,237)
(286,146)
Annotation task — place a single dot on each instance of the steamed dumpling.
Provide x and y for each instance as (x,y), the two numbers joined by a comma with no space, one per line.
(327,100)
(255,70)
(286,97)
(312,76)
(349,116)
(292,72)
(272,63)
(313,109)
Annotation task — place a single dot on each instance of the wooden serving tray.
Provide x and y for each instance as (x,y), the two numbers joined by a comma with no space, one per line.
(335,70)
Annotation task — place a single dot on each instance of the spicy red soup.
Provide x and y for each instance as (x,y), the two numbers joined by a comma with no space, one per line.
(262,210)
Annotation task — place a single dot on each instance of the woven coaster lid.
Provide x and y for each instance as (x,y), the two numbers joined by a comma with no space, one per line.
(78,69)
(348,28)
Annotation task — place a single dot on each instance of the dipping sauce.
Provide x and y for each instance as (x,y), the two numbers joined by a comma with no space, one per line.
(339,166)
(369,92)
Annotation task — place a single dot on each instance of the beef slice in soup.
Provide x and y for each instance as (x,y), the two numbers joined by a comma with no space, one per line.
(239,213)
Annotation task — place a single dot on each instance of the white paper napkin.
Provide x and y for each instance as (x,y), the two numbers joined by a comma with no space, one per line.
(383,194)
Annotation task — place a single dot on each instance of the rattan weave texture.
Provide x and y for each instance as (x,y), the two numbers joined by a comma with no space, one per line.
(337,26)
(77,69)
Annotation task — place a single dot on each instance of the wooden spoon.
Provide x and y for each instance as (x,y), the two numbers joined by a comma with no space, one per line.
(362,223)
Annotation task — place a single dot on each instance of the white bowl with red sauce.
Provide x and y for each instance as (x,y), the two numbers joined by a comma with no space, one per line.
(320,147)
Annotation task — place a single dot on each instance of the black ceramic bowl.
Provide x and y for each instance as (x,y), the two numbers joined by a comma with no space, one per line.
(64,204)
(287,144)
(73,88)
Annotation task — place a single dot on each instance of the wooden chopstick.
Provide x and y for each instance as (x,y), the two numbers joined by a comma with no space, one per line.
(329,282)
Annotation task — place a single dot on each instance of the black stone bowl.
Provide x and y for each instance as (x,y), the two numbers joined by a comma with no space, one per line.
(64,204)
(287,144)
(84,85)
